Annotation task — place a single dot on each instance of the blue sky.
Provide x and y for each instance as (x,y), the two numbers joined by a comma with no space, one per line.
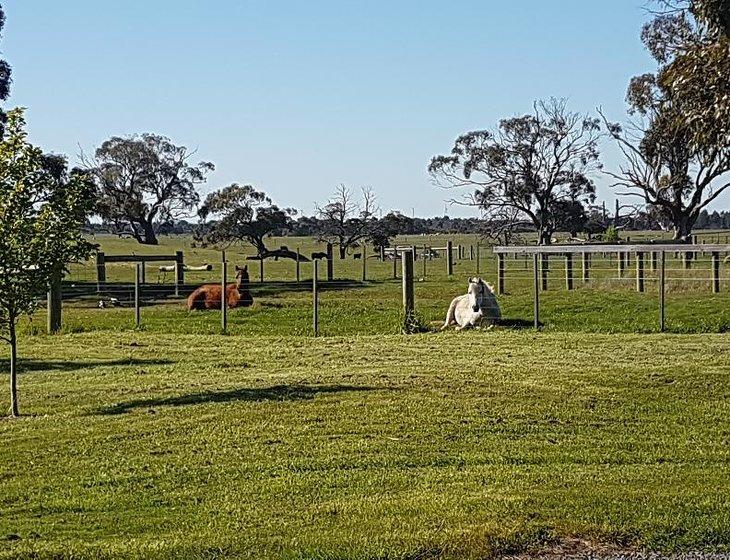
(297,97)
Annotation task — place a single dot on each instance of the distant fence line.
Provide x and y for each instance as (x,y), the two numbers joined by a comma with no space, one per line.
(656,252)
(651,256)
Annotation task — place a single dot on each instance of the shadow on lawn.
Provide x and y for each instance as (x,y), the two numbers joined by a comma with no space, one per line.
(275,393)
(32,365)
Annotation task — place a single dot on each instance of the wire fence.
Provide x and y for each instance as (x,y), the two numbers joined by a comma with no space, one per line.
(365,295)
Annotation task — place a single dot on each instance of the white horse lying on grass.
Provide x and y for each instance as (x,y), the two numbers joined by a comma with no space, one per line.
(477,307)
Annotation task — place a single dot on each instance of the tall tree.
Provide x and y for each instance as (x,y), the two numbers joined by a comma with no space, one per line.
(346,221)
(143,180)
(240,213)
(677,154)
(532,164)
(5,78)
(42,211)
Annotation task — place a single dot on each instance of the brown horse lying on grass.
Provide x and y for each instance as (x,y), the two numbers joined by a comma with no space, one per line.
(208,296)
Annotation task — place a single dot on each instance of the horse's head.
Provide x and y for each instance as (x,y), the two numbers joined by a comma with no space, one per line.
(478,292)
(242,275)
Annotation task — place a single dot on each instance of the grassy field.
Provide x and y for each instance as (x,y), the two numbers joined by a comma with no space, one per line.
(454,445)
(176,441)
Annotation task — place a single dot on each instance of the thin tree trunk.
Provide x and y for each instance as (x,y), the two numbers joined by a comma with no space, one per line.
(14,411)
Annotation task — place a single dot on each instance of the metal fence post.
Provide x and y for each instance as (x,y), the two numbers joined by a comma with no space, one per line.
(315,297)
(500,273)
(299,256)
(586,262)
(715,272)
(330,263)
(545,269)
(224,295)
(536,289)
(364,257)
(450,258)
(424,261)
(478,259)
(639,272)
(261,269)
(138,273)
(54,302)
(395,263)
(661,289)
(569,271)
(408,297)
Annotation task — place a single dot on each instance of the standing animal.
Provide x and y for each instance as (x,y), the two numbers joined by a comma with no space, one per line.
(208,296)
(477,307)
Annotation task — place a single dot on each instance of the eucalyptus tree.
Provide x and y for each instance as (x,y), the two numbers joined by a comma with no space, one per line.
(240,213)
(144,180)
(529,168)
(677,147)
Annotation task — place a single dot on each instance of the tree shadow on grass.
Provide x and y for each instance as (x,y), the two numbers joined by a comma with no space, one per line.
(32,365)
(275,393)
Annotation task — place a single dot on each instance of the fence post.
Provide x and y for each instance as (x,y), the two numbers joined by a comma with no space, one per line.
(621,264)
(54,302)
(639,272)
(315,297)
(450,258)
(536,290)
(299,256)
(715,272)
(661,290)
(545,268)
(478,259)
(500,273)
(100,271)
(471,252)
(179,271)
(687,260)
(424,261)
(261,269)
(138,273)
(458,252)
(653,261)
(330,263)
(382,253)
(569,271)
(224,282)
(143,275)
(364,257)
(408,298)
(586,262)
(395,263)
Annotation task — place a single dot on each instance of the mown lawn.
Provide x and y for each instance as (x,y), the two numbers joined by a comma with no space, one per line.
(457,445)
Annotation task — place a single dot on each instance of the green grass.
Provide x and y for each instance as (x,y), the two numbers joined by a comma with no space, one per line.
(457,445)
(179,442)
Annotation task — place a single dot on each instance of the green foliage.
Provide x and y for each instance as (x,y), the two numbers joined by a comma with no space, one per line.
(241,214)
(611,235)
(42,211)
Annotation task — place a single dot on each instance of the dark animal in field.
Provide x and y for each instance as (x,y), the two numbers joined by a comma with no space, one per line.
(357,256)
(208,296)
(316,256)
